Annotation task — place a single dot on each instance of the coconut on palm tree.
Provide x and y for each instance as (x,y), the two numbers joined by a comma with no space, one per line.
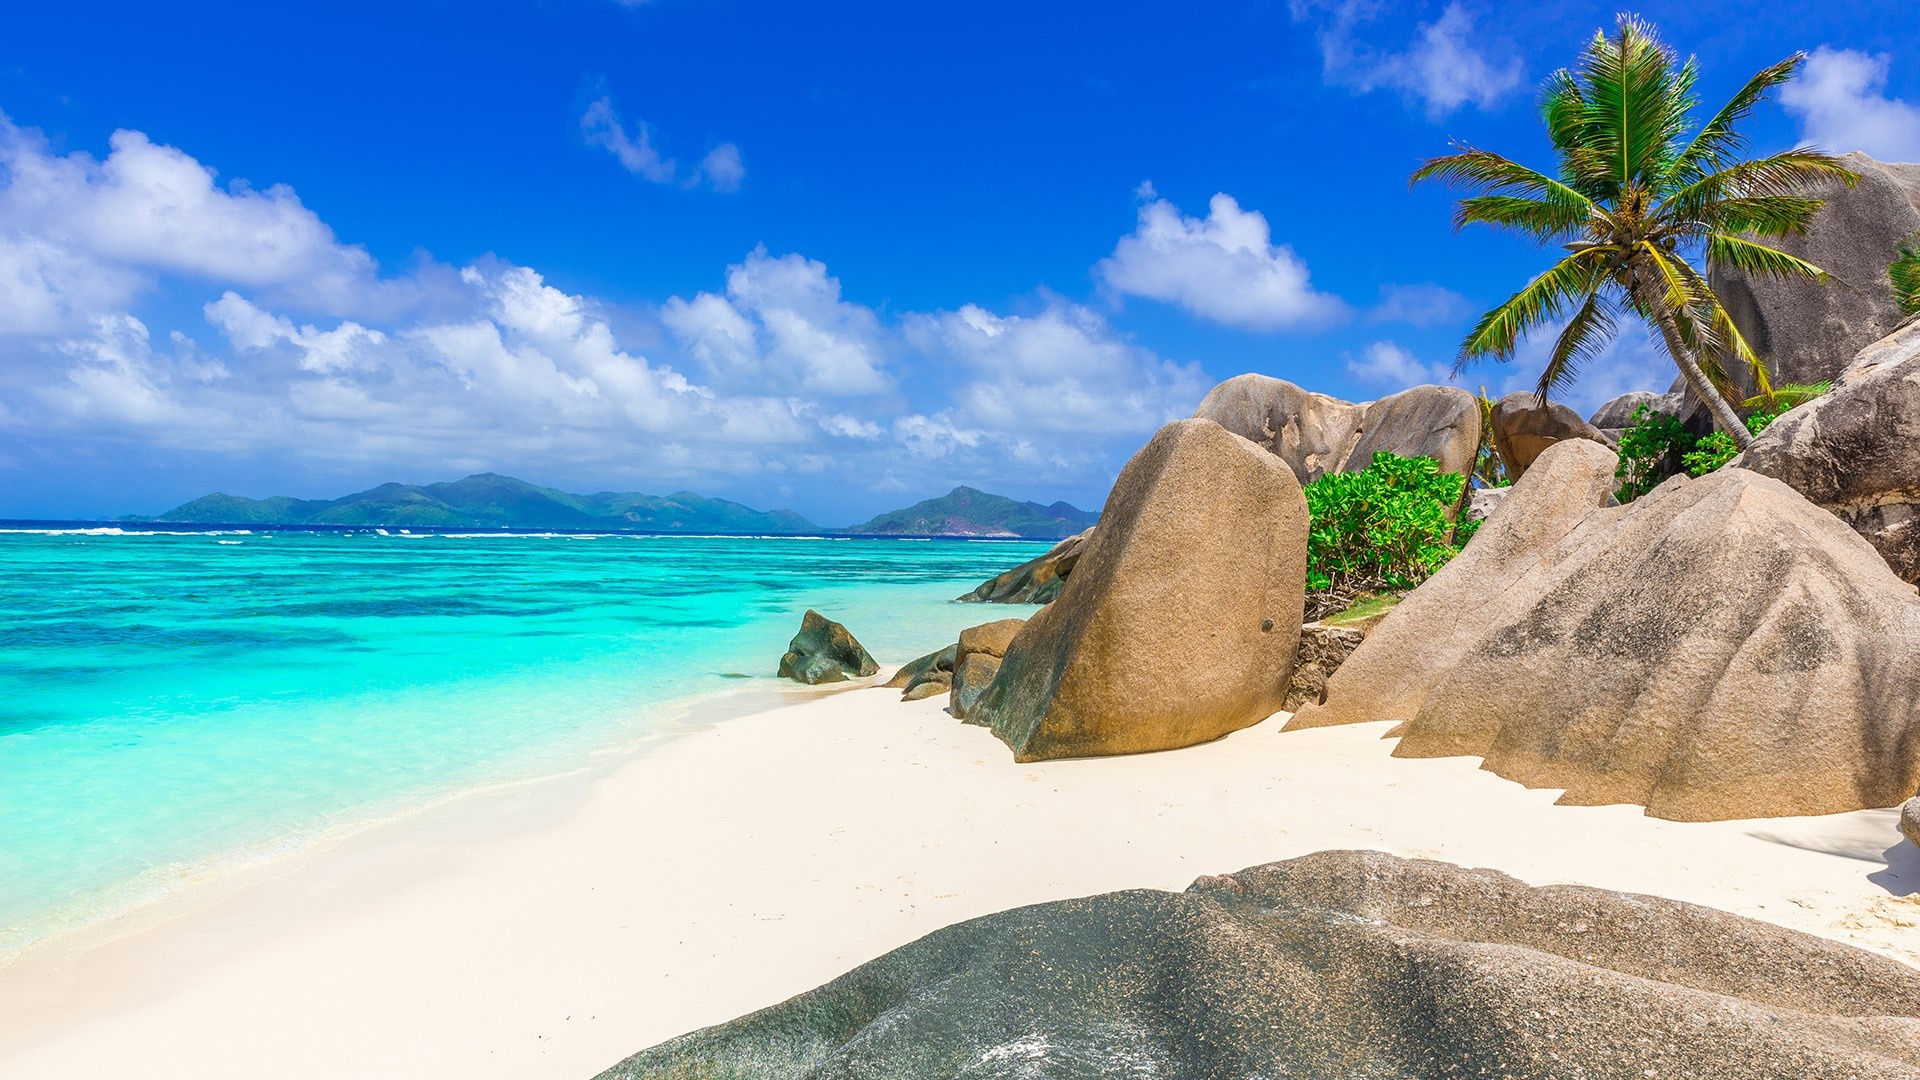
(1642,196)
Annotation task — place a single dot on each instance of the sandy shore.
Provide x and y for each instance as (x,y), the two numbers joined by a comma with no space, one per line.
(551,929)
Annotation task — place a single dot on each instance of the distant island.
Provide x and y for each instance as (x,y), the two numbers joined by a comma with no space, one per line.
(492,501)
(489,500)
(966,511)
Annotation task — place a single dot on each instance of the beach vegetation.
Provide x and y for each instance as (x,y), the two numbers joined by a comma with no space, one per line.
(1385,528)
(1644,200)
(1655,446)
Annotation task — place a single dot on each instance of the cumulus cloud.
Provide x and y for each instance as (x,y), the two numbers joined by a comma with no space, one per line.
(318,361)
(1445,67)
(722,169)
(1063,369)
(1224,267)
(782,323)
(91,233)
(1388,365)
(1419,305)
(1841,104)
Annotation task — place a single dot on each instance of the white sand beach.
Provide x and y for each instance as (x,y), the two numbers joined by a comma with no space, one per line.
(551,929)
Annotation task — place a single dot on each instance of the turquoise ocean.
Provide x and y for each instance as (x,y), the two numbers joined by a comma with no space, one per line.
(176,704)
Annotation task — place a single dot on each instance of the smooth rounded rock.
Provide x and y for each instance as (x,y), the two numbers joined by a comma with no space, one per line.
(1179,625)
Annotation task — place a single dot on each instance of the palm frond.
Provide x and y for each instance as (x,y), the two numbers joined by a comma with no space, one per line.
(1544,220)
(1790,174)
(1790,396)
(1639,102)
(1757,260)
(1720,140)
(1566,284)
(1584,336)
(1905,273)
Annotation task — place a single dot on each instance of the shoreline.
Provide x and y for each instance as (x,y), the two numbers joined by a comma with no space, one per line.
(758,854)
(212,877)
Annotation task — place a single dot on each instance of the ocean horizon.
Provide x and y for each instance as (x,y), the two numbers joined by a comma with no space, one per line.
(177,702)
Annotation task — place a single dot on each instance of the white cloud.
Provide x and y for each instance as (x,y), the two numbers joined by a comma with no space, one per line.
(319,364)
(96,230)
(600,125)
(1224,267)
(723,168)
(346,346)
(1841,104)
(1444,67)
(1062,370)
(783,324)
(1387,364)
(1419,305)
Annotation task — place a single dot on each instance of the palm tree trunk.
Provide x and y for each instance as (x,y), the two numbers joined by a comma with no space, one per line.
(1717,405)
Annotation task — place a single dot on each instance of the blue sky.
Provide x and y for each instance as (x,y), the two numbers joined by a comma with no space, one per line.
(832,257)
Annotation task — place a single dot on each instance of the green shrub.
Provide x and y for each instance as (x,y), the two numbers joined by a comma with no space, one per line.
(1716,449)
(1653,447)
(1384,527)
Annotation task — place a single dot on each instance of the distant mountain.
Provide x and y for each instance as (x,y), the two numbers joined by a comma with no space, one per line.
(488,500)
(966,511)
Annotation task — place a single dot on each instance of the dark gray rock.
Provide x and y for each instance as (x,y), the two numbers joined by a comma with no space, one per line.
(932,684)
(970,680)
(1340,964)
(934,663)
(1808,331)
(1523,428)
(823,651)
(1322,650)
(1856,450)
(1617,414)
(1035,581)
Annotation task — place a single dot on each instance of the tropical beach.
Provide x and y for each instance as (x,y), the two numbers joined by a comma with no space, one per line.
(449,662)
(546,931)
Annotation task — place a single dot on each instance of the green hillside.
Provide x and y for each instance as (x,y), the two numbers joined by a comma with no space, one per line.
(966,511)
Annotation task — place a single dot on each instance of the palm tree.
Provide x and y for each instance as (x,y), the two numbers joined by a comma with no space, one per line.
(1905,273)
(1639,196)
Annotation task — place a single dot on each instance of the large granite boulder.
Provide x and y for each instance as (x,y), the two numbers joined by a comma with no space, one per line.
(1180,622)
(824,651)
(1856,450)
(1806,330)
(1316,434)
(1910,820)
(1523,426)
(1036,581)
(979,651)
(1338,964)
(1718,648)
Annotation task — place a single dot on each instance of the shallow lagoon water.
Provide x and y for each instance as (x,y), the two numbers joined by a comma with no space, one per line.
(172,704)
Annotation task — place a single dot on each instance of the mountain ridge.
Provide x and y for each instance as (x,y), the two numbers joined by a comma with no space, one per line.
(491,500)
(968,511)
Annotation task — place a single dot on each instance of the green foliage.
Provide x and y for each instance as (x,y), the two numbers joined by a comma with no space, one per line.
(1384,527)
(1905,273)
(1644,198)
(1656,446)
(1712,451)
(1785,397)
(1715,449)
(1652,448)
